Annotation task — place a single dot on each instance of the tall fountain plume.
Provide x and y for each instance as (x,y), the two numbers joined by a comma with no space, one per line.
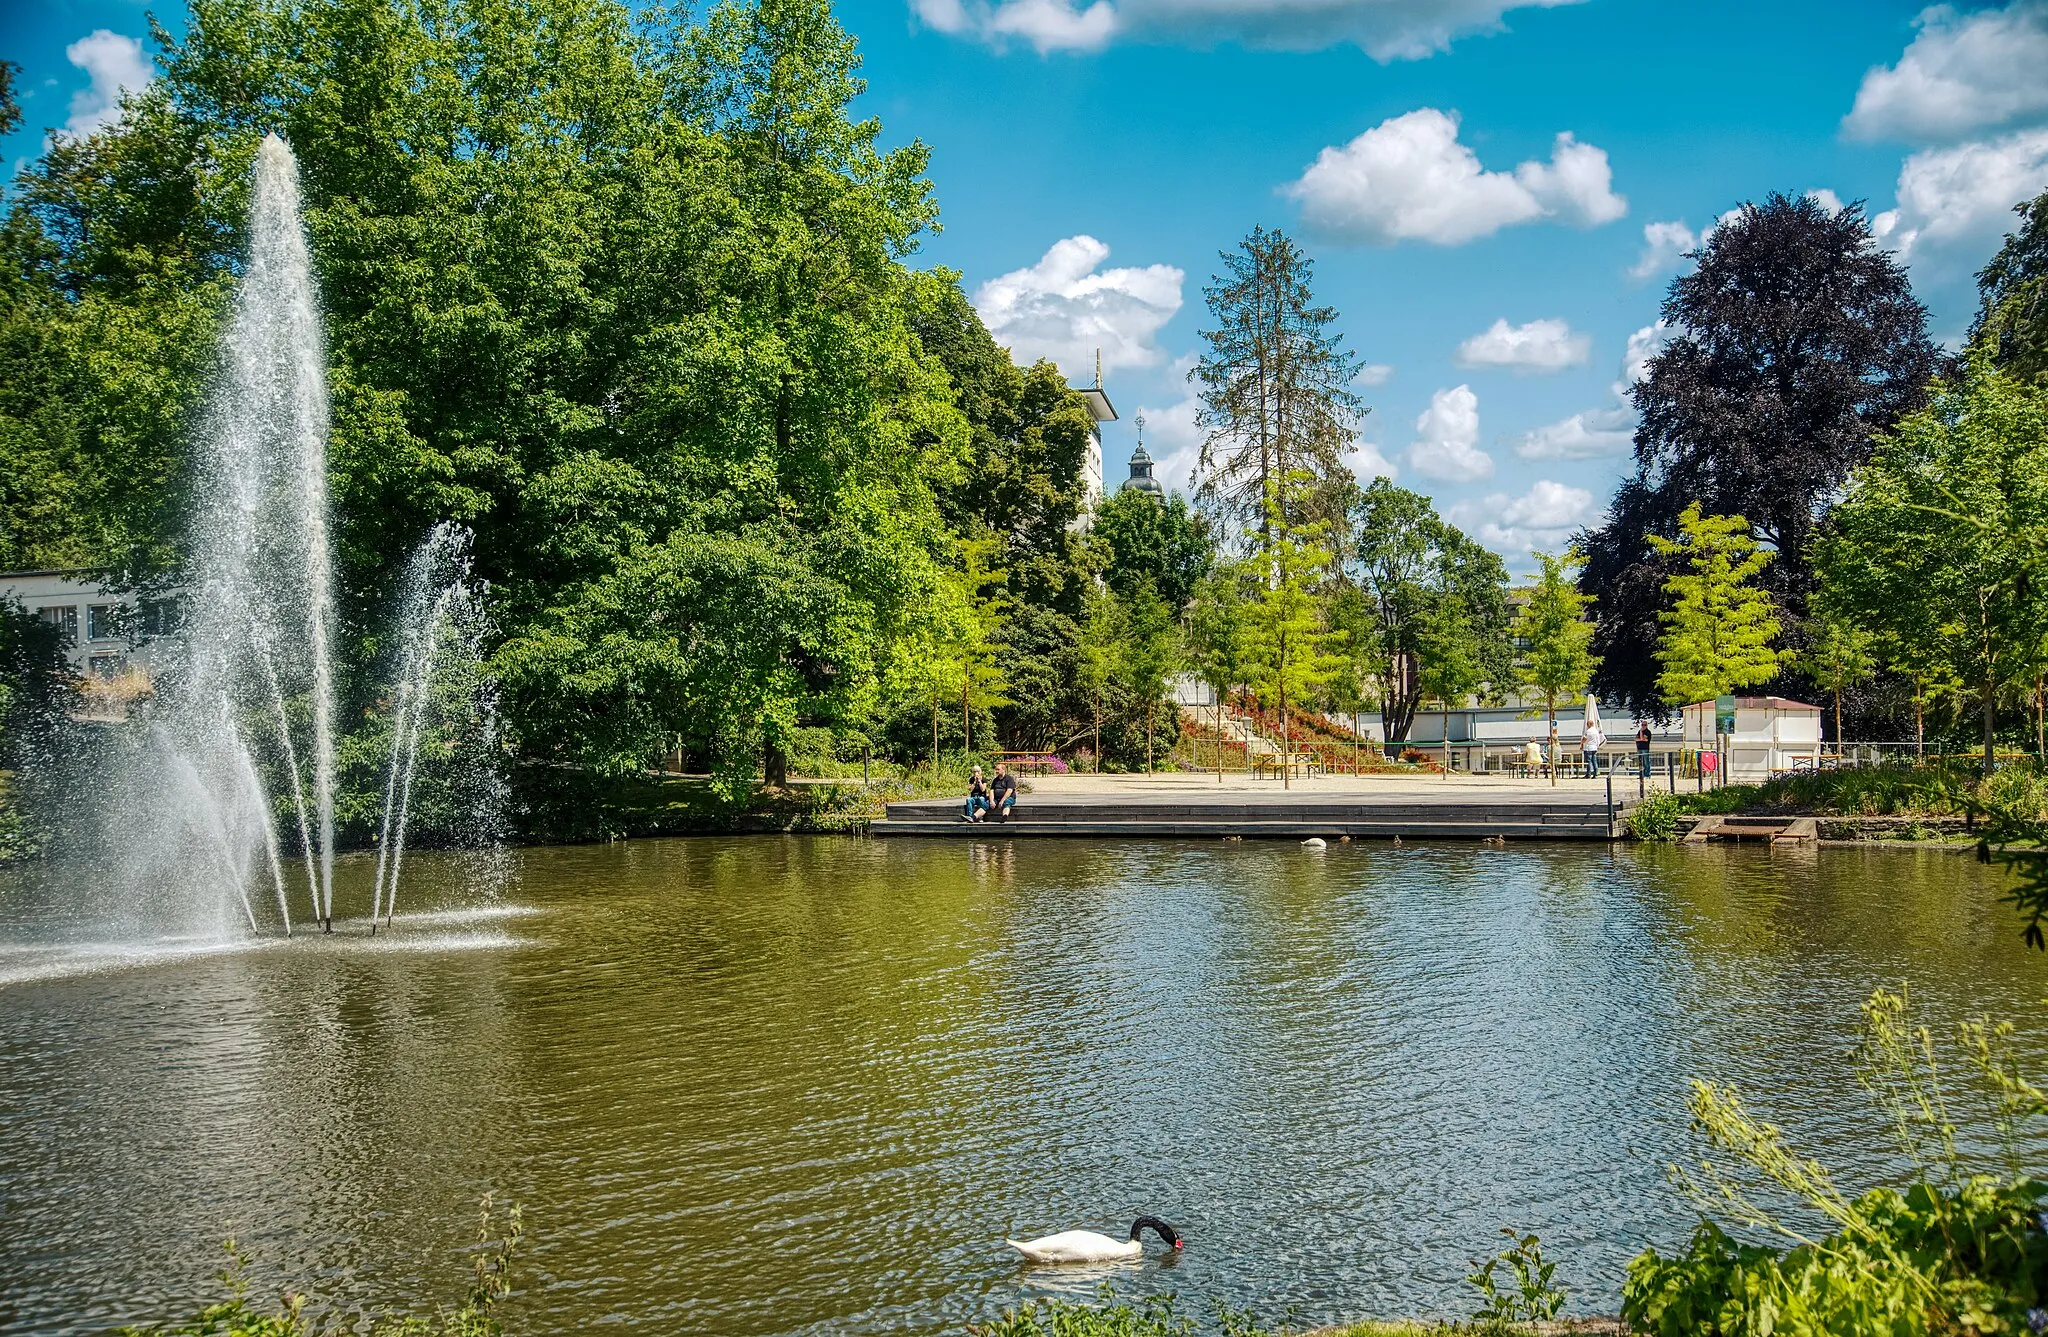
(256,652)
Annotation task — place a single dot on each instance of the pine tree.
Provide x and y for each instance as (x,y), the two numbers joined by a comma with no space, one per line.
(1719,628)
(1277,397)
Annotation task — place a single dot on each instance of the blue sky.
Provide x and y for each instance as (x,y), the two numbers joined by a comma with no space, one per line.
(1495,193)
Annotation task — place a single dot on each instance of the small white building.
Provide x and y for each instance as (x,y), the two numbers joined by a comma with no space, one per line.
(106,633)
(1772,734)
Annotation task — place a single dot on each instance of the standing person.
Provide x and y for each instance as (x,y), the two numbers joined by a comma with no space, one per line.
(1643,748)
(1003,793)
(977,797)
(1590,743)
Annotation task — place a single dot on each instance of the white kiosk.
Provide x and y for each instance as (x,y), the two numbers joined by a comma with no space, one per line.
(1772,734)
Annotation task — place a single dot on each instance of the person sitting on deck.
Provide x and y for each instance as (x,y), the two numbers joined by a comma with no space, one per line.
(977,797)
(1003,793)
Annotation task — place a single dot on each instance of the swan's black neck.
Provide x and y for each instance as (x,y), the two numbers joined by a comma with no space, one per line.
(1165,1231)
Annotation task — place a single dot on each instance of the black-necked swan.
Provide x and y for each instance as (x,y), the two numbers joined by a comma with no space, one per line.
(1088,1246)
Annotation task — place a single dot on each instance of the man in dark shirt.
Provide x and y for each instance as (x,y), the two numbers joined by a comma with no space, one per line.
(1003,792)
(1643,748)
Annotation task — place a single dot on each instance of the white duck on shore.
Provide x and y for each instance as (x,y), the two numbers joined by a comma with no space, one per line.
(1088,1246)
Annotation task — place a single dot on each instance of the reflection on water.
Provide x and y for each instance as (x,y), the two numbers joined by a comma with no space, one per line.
(766,1085)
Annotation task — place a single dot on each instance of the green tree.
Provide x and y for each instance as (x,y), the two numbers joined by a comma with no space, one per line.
(1838,656)
(1147,655)
(1146,540)
(976,644)
(1558,660)
(1217,639)
(1290,642)
(1447,662)
(1097,661)
(2012,311)
(1941,541)
(1277,396)
(1718,628)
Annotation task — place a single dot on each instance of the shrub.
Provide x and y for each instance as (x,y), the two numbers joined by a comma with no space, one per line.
(1656,817)
(1961,1250)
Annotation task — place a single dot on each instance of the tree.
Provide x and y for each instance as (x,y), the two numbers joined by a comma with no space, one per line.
(1217,640)
(1277,397)
(1558,660)
(1145,539)
(1289,640)
(1719,627)
(2012,293)
(1404,557)
(1146,652)
(1795,338)
(1837,657)
(1448,662)
(1097,661)
(1941,541)
(976,641)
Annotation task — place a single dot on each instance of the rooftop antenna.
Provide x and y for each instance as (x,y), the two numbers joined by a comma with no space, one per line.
(1098,368)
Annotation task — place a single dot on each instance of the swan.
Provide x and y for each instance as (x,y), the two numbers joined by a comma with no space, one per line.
(1088,1246)
(1315,843)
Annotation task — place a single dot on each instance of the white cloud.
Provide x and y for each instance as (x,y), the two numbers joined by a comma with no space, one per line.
(1540,346)
(1409,179)
(1065,308)
(1387,30)
(1955,203)
(116,65)
(1543,517)
(1609,429)
(1963,72)
(1826,199)
(1446,445)
(1664,245)
(1172,439)
(1373,373)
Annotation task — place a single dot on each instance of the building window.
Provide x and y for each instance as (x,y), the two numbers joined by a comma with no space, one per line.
(101,622)
(65,618)
(159,617)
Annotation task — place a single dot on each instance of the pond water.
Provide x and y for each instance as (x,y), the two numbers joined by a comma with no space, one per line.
(808,1085)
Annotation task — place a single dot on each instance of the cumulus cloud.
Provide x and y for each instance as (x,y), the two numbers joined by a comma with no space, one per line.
(1664,245)
(1409,179)
(1446,445)
(1826,199)
(115,65)
(1955,203)
(1962,73)
(1609,429)
(1543,517)
(1373,373)
(1172,439)
(1539,346)
(1066,307)
(1387,30)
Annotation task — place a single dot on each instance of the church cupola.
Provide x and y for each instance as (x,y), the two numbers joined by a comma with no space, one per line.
(1141,478)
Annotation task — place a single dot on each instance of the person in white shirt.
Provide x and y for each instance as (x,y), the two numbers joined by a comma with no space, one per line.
(1589,743)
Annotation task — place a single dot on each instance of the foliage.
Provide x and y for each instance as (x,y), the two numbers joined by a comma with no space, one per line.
(1838,655)
(2012,311)
(1146,540)
(1795,337)
(1959,1250)
(1290,642)
(1405,559)
(1939,543)
(1558,661)
(1719,627)
(1536,1298)
(37,690)
(1276,390)
(475,1316)
(1147,653)
(1656,817)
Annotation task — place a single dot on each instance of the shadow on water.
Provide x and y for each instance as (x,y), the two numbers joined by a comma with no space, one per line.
(778,1085)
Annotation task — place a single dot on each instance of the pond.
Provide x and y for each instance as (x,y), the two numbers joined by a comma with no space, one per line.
(808,1085)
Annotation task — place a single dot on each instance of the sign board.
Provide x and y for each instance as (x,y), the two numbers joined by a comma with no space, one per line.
(1724,714)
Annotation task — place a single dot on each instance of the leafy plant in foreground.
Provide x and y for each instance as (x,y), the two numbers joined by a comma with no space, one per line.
(1961,1250)
(1536,1298)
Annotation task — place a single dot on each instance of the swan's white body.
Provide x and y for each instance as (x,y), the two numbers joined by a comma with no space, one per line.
(1076,1246)
(1315,843)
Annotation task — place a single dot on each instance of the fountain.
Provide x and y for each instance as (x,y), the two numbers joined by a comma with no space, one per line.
(247,688)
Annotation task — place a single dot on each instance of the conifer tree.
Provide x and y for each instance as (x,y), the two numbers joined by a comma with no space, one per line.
(1719,627)
(1277,397)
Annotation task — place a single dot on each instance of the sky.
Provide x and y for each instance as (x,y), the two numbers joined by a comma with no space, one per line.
(1496,194)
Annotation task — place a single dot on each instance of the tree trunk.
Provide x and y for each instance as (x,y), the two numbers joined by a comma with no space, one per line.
(1838,723)
(1552,706)
(1919,722)
(1286,731)
(1149,707)
(2040,723)
(774,766)
(1990,700)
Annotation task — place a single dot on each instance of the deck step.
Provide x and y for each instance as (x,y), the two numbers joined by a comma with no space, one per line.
(1252,829)
(1775,830)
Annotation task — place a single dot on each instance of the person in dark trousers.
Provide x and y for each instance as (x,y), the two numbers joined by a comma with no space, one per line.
(1003,793)
(977,797)
(1643,748)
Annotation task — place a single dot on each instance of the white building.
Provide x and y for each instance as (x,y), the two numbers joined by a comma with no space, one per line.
(1772,734)
(106,633)
(1104,411)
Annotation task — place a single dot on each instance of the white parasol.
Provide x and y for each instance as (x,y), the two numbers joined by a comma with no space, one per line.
(1592,710)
